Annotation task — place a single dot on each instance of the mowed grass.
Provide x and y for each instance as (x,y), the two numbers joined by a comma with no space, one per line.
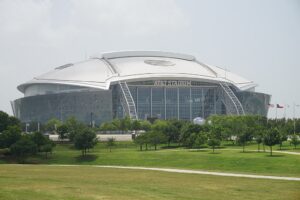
(224,160)
(30,182)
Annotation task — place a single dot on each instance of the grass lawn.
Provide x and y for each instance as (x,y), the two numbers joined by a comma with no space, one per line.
(30,182)
(127,154)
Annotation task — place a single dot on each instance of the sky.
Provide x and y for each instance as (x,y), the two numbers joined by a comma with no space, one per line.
(257,39)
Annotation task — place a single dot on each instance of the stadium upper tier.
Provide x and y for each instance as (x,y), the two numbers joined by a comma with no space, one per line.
(110,68)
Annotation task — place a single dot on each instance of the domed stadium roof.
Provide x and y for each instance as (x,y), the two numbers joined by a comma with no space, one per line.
(109,68)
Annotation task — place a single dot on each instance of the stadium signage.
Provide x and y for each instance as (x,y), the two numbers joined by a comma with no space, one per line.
(172,83)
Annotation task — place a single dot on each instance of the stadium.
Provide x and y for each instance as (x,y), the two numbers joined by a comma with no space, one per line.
(138,84)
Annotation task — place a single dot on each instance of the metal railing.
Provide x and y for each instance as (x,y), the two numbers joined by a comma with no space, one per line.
(230,100)
(127,101)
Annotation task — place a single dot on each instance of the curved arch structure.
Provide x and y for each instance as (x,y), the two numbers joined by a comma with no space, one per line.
(140,84)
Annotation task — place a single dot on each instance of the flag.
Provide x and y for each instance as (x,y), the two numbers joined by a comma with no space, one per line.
(279,106)
(271,105)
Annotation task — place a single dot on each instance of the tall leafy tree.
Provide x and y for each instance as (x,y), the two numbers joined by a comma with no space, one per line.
(10,136)
(62,131)
(74,127)
(6,121)
(85,139)
(271,137)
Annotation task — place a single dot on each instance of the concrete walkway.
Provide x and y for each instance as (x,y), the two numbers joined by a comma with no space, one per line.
(186,171)
(251,150)
(261,151)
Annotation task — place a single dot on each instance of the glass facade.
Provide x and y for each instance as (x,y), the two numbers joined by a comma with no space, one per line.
(183,100)
(85,106)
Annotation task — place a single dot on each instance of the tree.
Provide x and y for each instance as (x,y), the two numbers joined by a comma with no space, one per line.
(190,141)
(52,124)
(271,138)
(156,138)
(136,125)
(244,137)
(295,140)
(39,139)
(6,121)
(10,136)
(47,148)
(23,148)
(84,140)
(107,126)
(110,143)
(282,137)
(214,143)
(145,125)
(168,129)
(140,140)
(187,130)
(74,127)
(201,138)
(62,131)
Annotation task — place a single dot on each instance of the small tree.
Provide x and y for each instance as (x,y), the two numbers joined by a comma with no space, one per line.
(156,138)
(191,140)
(282,137)
(39,139)
(110,143)
(62,131)
(84,140)
(23,148)
(52,125)
(295,141)
(145,125)
(74,127)
(244,138)
(271,138)
(135,125)
(140,140)
(201,139)
(214,143)
(47,148)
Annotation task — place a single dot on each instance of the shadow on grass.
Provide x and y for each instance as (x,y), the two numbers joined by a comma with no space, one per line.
(170,147)
(216,152)
(250,151)
(86,158)
(199,150)
(276,155)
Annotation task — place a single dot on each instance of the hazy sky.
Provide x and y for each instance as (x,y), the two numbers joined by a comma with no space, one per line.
(257,39)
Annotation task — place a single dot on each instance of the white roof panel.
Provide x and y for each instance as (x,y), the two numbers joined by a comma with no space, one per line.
(136,65)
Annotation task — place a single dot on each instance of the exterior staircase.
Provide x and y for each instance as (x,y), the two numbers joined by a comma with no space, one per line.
(127,101)
(231,102)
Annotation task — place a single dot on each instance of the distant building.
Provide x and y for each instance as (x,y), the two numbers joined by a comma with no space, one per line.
(140,84)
